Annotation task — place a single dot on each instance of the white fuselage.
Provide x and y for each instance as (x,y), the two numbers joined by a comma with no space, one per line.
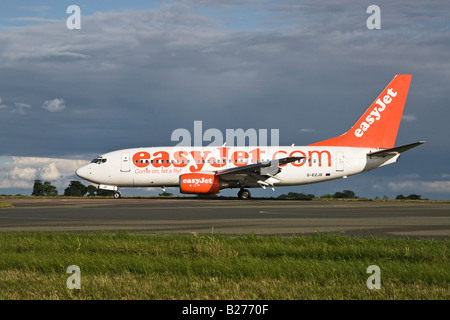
(369,144)
(162,166)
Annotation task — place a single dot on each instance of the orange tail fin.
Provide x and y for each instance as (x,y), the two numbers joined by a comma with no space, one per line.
(378,126)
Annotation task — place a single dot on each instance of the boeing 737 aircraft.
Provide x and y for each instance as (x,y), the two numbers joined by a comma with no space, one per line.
(368,145)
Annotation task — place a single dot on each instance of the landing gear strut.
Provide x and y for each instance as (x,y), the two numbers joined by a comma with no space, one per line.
(244,194)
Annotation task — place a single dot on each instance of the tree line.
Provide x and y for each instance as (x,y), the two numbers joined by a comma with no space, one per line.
(77,189)
(345,194)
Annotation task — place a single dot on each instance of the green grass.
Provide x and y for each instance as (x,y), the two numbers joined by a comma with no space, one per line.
(5,205)
(131,266)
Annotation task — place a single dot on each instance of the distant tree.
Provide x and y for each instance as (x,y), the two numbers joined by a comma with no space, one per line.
(91,190)
(50,190)
(75,189)
(43,189)
(38,188)
(296,196)
(345,194)
(165,194)
(410,197)
(104,193)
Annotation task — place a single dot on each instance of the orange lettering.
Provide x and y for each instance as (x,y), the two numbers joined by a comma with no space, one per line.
(179,157)
(162,161)
(237,156)
(319,156)
(140,159)
(277,152)
(302,154)
(221,161)
(199,160)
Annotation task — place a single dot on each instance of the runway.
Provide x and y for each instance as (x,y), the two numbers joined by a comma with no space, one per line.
(360,218)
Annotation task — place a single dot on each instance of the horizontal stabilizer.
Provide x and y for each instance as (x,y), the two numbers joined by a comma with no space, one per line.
(394,151)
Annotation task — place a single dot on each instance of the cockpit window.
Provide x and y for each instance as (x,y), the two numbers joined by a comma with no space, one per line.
(99,160)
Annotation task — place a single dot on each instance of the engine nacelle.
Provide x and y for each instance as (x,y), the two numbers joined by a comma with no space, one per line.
(199,183)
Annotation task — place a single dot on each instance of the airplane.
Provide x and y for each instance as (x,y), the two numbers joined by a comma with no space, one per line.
(369,144)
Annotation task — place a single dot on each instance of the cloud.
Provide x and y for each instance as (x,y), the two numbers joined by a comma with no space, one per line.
(283,64)
(20,172)
(424,186)
(2,106)
(49,105)
(23,173)
(50,172)
(54,105)
(34,19)
(20,108)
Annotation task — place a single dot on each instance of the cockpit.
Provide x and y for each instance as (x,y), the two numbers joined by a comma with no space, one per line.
(99,160)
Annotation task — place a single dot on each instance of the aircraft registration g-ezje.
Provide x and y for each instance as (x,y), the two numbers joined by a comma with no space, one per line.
(368,145)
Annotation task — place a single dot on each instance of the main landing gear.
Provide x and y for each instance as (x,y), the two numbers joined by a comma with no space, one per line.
(117,195)
(244,194)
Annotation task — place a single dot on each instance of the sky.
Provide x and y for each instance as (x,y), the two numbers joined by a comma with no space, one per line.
(138,70)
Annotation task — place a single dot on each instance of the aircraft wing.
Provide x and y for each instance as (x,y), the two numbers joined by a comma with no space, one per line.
(258,174)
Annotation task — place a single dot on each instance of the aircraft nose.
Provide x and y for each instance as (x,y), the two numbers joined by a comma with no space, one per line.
(82,172)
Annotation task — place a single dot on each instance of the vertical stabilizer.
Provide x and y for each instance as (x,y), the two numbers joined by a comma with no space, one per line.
(378,126)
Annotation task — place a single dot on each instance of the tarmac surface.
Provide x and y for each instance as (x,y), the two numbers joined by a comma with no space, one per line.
(183,216)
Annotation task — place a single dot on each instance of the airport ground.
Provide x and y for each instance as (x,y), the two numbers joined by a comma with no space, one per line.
(190,249)
(423,219)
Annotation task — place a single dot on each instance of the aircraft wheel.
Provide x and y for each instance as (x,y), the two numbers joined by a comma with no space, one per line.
(244,194)
(117,195)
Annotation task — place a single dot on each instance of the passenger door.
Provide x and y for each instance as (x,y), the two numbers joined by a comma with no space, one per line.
(339,161)
(125,165)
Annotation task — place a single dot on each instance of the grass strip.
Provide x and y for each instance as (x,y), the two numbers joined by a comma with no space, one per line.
(5,205)
(133,266)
